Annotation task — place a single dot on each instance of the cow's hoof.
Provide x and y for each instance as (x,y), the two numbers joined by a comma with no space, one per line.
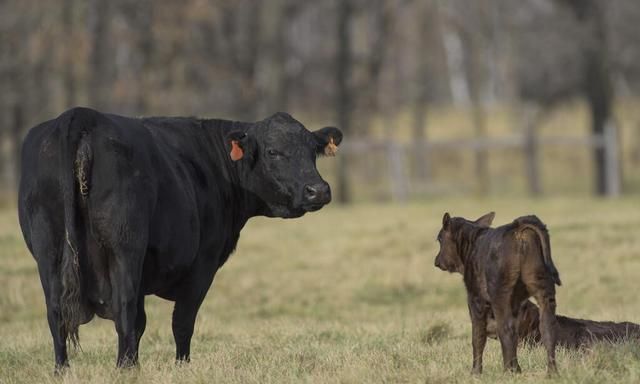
(127,364)
(181,362)
(476,370)
(513,369)
(60,369)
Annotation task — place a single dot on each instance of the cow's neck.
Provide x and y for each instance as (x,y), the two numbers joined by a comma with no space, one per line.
(466,239)
(241,203)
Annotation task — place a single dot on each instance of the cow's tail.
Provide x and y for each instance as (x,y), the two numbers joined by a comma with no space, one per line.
(76,160)
(536,225)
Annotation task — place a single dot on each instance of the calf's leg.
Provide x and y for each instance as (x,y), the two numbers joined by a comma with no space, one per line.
(506,329)
(548,325)
(478,310)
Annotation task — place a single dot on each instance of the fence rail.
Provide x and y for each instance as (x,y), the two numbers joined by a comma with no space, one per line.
(528,143)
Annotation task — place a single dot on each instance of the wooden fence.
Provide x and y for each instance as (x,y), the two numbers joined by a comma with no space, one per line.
(528,143)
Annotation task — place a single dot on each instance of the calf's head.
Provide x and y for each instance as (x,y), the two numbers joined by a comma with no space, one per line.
(449,257)
(278,158)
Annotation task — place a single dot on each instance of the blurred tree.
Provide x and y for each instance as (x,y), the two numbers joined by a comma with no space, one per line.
(98,17)
(343,99)
(347,61)
(69,63)
(596,81)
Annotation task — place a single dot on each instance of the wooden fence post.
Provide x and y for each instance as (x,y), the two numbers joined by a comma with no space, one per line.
(532,171)
(611,161)
(397,169)
(16,141)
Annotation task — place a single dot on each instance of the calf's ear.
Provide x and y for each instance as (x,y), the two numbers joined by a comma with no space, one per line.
(240,145)
(486,220)
(445,221)
(327,140)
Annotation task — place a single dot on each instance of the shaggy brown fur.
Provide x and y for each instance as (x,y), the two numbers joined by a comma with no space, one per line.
(502,267)
(572,333)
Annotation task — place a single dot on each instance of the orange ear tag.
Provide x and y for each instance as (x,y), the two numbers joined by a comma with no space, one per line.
(236,152)
(330,149)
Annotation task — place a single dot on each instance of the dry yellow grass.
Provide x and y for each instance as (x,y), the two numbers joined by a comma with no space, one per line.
(346,295)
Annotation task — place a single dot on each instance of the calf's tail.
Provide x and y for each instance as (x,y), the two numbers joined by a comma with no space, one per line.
(536,225)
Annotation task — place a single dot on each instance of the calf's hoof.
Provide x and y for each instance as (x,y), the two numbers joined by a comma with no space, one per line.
(513,369)
(476,370)
(552,371)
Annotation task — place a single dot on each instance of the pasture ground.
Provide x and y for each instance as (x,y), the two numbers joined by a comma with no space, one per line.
(349,295)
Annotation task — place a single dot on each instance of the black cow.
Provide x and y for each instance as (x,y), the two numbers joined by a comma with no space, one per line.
(115,208)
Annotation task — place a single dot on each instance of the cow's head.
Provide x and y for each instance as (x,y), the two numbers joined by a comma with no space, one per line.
(449,257)
(278,158)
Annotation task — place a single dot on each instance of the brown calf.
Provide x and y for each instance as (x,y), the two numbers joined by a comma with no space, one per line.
(572,333)
(502,267)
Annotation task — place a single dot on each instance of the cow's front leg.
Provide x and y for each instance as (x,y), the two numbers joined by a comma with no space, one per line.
(184,319)
(141,323)
(188,302)
(478,310)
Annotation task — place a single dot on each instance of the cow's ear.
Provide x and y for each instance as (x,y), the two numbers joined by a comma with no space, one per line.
(486,220)
(239,144)
(446,219)
(327,140)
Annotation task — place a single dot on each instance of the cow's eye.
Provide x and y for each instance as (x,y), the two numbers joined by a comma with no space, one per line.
(273,153)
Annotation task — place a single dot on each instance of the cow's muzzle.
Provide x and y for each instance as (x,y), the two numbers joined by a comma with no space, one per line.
(438,264)
(315,196)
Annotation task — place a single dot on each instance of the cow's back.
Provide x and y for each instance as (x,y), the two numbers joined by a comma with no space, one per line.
(138,188)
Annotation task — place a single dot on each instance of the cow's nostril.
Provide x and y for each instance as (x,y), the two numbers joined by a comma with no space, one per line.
(310,193)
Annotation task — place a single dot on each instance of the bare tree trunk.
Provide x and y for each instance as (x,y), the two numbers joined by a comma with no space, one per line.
(17,127)
(531,150)
(382,26)
(68,72)
(97,19)
(144,24)
(288,12)
(473,71)
(596,80)
(343,97)
(420,156)
(454,55)
(599,92)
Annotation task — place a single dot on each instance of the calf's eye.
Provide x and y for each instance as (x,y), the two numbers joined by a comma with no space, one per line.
(272,153)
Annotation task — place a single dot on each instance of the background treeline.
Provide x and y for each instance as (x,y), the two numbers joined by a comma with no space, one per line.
(385,71)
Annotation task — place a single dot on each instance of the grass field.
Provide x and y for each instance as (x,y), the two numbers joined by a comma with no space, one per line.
(346,295)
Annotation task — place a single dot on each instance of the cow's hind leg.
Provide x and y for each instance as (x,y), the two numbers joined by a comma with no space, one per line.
(548,324)
(125,276)
(47,252)
(53,291)
(125,247)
